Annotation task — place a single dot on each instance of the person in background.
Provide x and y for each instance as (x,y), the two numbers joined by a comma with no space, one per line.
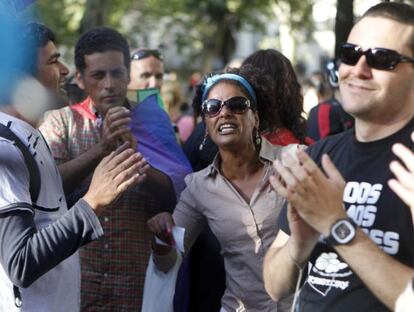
(179,111)
(147,71)
(288,95)
(328,117)
(113,269)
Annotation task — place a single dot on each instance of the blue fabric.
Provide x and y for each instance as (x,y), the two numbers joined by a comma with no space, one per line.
(23,4)
(213,80)
(15,62)
(156,139)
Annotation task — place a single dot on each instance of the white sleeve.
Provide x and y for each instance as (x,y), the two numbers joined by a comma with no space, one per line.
(14,179)
(405,301)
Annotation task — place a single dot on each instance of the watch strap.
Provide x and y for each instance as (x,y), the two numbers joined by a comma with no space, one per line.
(333,239)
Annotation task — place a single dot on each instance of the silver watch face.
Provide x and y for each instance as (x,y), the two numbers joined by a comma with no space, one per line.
(343,231)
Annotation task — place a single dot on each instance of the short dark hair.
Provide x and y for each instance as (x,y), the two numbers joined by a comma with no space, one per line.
(399,12)
(37,36)
(40,34)
(287,90)
(99,40)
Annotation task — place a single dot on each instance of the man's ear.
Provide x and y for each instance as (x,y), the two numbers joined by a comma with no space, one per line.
(79,80)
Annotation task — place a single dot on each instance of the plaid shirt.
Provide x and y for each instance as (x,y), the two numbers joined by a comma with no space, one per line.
(113,268)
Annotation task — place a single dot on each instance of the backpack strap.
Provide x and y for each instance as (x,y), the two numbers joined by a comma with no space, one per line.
(34,182)
(34,173)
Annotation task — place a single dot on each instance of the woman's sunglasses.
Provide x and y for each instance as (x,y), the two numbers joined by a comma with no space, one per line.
(144,53)
(236,105)
(378,58)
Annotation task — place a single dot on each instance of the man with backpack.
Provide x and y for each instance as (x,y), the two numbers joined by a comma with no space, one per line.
(39,235)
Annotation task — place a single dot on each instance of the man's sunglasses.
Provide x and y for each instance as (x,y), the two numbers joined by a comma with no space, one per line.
(144,53)
(236,105)
(378,58)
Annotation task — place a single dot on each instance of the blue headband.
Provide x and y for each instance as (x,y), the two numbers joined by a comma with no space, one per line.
(213,80)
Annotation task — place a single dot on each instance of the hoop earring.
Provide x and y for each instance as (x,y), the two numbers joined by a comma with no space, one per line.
(201,147)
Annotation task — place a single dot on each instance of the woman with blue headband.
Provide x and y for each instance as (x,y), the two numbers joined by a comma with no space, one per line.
(232,195)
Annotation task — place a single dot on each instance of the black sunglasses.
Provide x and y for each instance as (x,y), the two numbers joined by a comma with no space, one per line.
(378,58)
(236,105)
(144,53)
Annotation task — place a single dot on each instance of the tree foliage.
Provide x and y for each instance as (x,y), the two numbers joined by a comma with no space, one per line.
(199,28)
(63,16)
(206,28)
(344,22)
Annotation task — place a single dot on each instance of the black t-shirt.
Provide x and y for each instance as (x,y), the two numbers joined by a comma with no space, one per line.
(330,285)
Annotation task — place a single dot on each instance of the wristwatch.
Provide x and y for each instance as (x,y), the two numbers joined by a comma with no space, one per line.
(342,232)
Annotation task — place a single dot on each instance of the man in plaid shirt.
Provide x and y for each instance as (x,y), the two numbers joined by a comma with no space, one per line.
(113,268)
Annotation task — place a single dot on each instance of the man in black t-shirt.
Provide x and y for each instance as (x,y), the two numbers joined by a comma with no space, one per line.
(349,232)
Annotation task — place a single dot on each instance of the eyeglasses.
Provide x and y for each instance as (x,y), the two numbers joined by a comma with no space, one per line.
(236,105)
(144,53)
(378,58)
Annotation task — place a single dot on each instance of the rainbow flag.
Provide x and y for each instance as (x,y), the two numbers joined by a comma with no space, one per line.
(156,139)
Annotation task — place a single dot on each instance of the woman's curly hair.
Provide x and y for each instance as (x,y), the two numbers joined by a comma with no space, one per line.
(266,106)
(287,90)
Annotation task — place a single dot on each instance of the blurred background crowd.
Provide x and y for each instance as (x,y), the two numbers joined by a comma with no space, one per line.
(197,37)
